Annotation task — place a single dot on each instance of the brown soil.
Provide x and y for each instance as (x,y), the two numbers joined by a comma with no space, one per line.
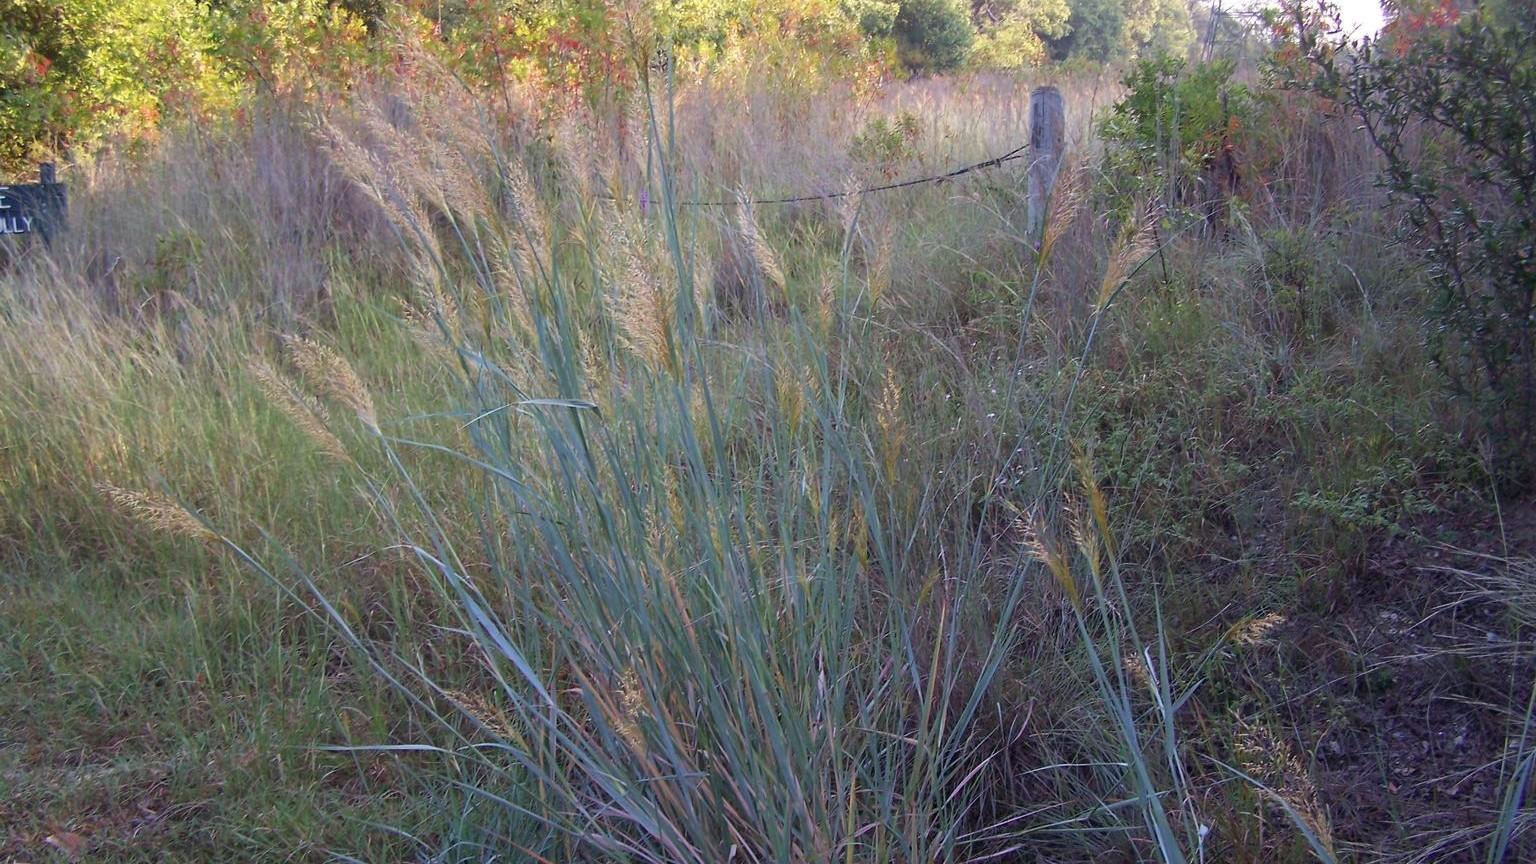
(1400,693)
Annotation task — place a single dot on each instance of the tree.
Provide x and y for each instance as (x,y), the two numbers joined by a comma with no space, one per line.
(75,71)
(1154,27)
(933,35)
(1095,31)
(1446,99)
(1013,33)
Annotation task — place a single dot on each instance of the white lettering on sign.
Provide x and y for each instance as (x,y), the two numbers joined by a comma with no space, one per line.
(15,224)
(5,203)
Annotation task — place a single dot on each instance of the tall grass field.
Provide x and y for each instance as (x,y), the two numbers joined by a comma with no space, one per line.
(445,473)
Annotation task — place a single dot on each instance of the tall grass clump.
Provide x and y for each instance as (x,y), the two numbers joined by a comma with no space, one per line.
(705,625)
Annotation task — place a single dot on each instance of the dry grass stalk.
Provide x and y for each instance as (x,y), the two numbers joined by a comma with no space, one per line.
(1254,631)
(888,416)
(1044,548)
(1065,203)
(1133,247)
(1274,763)
(1094,496)
(848,206)
(483,712)
(757,246)
(879,275)
(1085,534)
(381,178)
(826,303)
(643,305)
(631,708)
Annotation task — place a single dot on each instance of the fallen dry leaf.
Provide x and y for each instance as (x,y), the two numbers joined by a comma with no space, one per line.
(68,842)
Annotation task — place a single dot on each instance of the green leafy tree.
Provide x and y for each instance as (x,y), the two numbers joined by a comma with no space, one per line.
(876,18)
(1014,32)
(1154,27)
(73,72)
(1095,31)
(933,35)
(1171,123)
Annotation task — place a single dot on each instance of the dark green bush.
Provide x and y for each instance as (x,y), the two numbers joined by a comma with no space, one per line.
(933,35)
(1449,107)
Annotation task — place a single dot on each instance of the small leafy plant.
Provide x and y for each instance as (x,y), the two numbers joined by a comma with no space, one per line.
(1171,126)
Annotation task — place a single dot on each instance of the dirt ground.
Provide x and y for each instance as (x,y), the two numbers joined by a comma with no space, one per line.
(1398,694)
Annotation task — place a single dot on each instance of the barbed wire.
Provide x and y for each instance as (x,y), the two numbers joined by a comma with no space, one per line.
(1016,153)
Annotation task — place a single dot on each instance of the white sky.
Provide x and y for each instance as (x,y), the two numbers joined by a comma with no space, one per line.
(1361,17)
(1364,15)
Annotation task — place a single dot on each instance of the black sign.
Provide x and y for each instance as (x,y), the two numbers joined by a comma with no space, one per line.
(33,208)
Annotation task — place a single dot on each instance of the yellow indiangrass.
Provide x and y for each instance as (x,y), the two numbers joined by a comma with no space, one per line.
(888,417)
(880,267)
(1134,246)
(1095,499)
(643,308)
(302,410)
(762,254)
(1043,548)
(1065,202)
(1253,631)
(1087,539)
(155,512)
(848,207)
(1265,757)
(484,713)
(631,709)
(334,376)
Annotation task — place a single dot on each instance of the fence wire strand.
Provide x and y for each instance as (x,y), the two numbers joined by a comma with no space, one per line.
(1016,153)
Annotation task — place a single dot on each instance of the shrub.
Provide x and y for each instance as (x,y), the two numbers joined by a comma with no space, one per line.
(885,143)
(1169,127)
(1448,107)
(83,70)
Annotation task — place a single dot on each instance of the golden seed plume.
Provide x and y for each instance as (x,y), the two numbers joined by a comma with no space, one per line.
(888,416)
(848,206)
(879,275)
(1087,539)
(528,215)
(1136,668)
(1044,548)
(1256,630)
(155,512)
(333,376)
(631,709)
(1276,765)
(826,303)
(483,712)
(1066,200)
(643,307)
(752,234)
(303,410)
(1133,247)
(1097,506)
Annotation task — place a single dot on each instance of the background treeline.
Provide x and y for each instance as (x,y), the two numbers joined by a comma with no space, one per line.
(75,72)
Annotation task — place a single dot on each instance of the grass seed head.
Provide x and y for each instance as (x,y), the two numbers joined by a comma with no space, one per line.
(334,376)
(303,410)
(155,512)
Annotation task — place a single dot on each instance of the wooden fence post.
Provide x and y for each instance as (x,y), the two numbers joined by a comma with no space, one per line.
(1047,136)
